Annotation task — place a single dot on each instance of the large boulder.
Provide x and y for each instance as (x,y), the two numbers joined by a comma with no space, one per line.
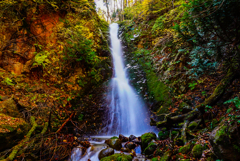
(118,157)
(132,137)
(225,141)
(11,130)
(147,138)
(105,153)
(9,107)
(114,143)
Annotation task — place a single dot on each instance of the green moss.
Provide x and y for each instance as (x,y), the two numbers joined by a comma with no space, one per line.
(163,135)
(114,137)
(192,125)
(166,156)
(114,143)
(186,148)
(147,138)
(220,134)
(117,157)
(197,150)
(155,159)
(150,148)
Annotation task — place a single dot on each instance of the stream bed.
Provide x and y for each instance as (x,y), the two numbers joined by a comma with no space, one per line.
(98,144)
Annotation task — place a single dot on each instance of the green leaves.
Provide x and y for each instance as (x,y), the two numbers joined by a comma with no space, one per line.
(192,85)
(235,101)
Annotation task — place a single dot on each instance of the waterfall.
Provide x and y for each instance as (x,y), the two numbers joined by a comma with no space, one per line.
(128,114)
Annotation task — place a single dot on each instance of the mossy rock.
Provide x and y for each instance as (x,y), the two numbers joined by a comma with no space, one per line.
(152,146)
(192,125)
(117,157)
(9,107)
(114,143)
(197,150)
(105,152)
(225,140)
(146,139)
(11,129)
(186,148)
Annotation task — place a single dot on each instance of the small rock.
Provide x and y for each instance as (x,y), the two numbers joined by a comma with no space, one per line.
(123,138)
(130,145)
(105,152)
(125,150)
(114,143)
(132,137)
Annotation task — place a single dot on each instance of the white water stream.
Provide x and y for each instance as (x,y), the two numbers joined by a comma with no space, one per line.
(128,114)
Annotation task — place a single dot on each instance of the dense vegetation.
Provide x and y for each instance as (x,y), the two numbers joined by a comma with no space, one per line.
(189,52)
(183,55)
(54,58)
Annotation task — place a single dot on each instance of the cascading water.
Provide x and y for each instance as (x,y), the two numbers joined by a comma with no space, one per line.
(127,112)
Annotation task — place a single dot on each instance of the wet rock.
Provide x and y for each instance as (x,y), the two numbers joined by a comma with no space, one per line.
(11,129)
(105,153)
(9,107)
(225,141)
(116,157)
(123,138)
(125,150)
(114,143)
(197,150)
(137,141)
(132,137)
(146,139)
(152,146)
(130,145)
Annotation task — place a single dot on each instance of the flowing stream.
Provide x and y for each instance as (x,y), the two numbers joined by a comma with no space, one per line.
(128,114)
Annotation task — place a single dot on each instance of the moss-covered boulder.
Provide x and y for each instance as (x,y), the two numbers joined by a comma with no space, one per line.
(197,150)
(152,146)
(117,157)
(146,139)
(105,153)
(186,148)
(9,107)
(225,140)
(11,129)
(114,143)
